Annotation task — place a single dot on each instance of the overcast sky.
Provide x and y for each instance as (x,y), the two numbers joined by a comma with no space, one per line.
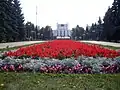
(73,12)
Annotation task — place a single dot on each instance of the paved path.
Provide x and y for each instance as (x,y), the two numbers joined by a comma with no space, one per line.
(13,44)
(104,43)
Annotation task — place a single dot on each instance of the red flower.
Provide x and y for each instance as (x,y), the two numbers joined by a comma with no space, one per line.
(63,49)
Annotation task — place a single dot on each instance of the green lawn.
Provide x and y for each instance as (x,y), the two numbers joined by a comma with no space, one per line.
(106,46)
(111,47)
(37,81)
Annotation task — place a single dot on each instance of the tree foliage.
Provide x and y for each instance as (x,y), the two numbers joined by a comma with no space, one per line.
(35,33)
(11,21)
(46,33)
(112,22)
(77,33)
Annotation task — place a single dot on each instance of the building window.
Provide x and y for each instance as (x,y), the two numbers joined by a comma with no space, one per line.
(62,25)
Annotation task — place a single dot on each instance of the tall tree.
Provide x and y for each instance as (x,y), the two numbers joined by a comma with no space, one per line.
(94,32)
(86,33)
(7,31)
(47,33)
(112,22)
(42,33)
(30,31)
(99,30)
(3,16)
(77,33)
(108,24)
(99,21)
(19,20)
(73,33)
(11,21)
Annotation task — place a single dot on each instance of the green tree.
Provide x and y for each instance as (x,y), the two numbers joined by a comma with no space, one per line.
(19,20)
(77,33)
(47,33)
(99,21)
(86,33)
(30,31)
(95,31)
(73,33)
(7,31)
(3,16)
(112,22)
(11,21)
(42,33)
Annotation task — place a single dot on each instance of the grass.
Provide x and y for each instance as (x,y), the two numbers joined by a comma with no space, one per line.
(111,47)
(8,49)
(105,46)
(30,81)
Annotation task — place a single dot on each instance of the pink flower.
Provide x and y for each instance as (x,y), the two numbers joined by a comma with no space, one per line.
(12,68)
(5,68)
(20,67)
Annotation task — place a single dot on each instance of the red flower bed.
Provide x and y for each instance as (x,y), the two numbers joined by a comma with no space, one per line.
(63,49)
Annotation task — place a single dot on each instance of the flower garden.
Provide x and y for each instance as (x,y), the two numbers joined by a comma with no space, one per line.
(61,56)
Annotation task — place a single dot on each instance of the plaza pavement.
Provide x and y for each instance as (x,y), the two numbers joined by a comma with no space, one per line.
(104,43)
(14,44)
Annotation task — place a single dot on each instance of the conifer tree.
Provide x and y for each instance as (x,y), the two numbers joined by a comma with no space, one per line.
(19,20)
(112,22)
(11,21)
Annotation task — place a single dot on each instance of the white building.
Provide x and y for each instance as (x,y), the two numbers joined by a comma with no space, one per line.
(62,32)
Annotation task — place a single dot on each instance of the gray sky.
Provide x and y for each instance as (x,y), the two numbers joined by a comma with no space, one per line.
(73,12)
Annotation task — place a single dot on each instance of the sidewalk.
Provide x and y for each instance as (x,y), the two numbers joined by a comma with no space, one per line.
(104,43)
(14,44)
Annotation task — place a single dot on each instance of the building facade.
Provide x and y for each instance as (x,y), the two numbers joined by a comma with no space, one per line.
(62,31)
